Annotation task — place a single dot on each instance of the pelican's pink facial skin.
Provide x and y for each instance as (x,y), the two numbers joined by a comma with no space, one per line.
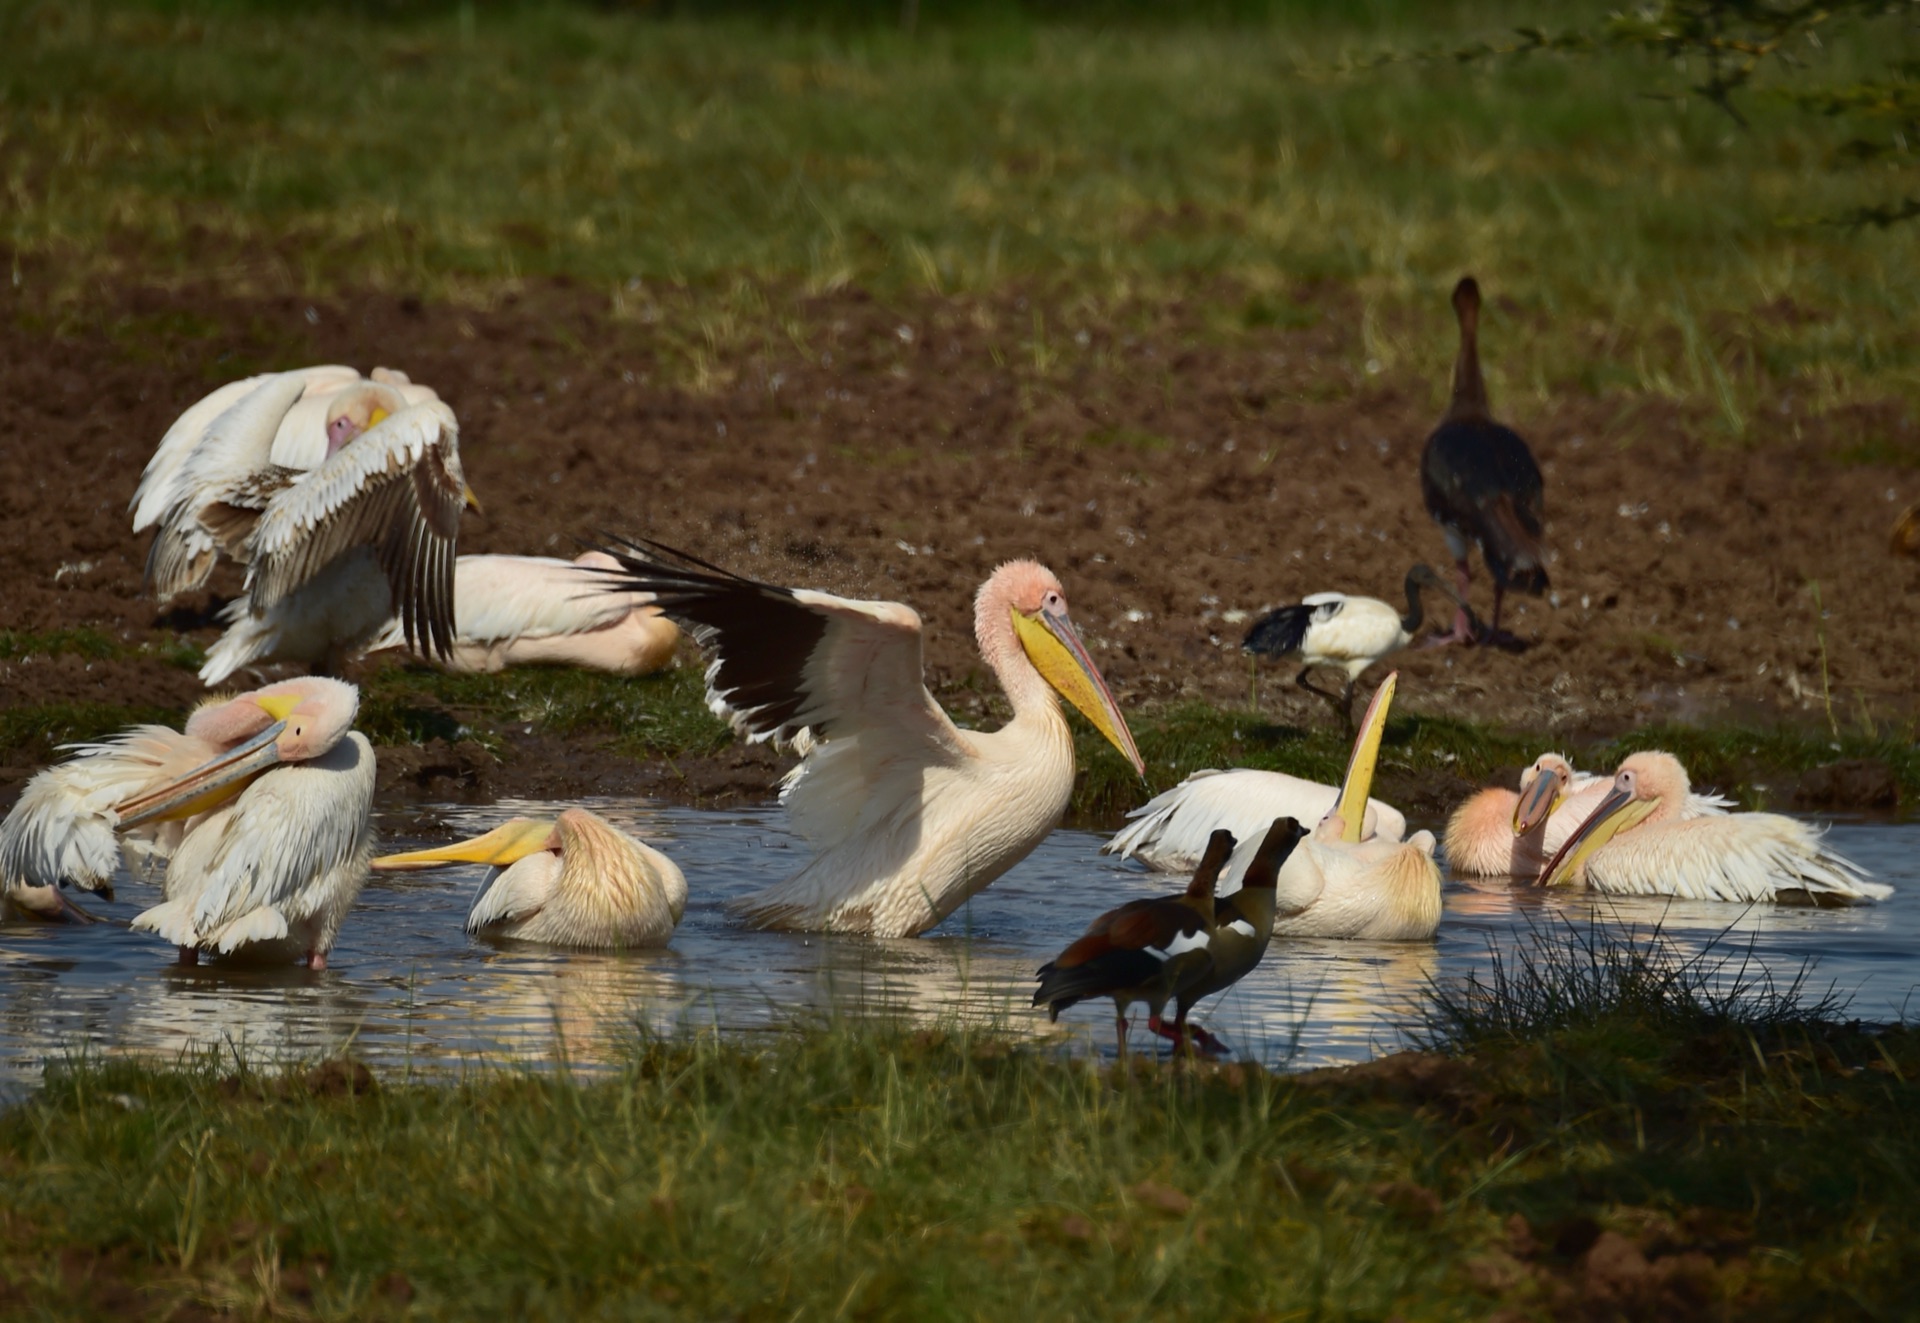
(353,411)
(339,432)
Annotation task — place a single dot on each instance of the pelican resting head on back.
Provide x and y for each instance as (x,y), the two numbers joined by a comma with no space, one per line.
(537,610)
(1640,842)
(572,881)
(910,815)
(279,826)
(341,495)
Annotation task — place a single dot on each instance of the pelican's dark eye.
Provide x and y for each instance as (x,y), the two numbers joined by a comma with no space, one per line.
(1053,602)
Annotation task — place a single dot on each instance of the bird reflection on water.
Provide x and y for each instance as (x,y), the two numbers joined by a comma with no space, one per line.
(408,986)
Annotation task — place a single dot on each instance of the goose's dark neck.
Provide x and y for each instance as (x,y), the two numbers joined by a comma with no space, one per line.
(1416,609)
(1469,402)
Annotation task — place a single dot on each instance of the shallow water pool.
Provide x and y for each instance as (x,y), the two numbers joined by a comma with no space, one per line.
(408,987)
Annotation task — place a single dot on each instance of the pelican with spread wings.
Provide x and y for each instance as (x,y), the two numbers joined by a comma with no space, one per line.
(909,814)
(341,494)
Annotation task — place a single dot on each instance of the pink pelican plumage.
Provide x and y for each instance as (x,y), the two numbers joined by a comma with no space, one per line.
(340,494)
(538,610)
(1638,842)
(910,814)
(573,880)
(1500,833)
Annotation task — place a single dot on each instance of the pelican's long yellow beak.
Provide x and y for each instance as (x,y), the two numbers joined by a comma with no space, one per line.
(1541,797)
(506,844)
(215,781)
(1054,647)
(1358,785)
(471,501)
(1617,812)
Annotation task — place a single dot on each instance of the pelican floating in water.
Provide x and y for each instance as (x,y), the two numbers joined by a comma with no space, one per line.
(1347,634)
(1169,832)
(279,826)
(1639,842)
(1335,884)
(910,814)
(530,610)
(340,494)
(572,881)
(1499,832)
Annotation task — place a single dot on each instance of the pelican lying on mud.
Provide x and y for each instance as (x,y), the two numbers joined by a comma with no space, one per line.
(531,610)
(1499,832)
(340,494)
(572,881)
(1639,842)
(260,810)
(1335,884)
(1169,832)
(910,814)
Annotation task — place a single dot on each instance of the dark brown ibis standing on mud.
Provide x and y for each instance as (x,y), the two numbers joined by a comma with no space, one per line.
(1482,485)
(1242,928)
(1146,950)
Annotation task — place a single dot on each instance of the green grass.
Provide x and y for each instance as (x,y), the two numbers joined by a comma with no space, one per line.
(1760,1163)
(1631,244)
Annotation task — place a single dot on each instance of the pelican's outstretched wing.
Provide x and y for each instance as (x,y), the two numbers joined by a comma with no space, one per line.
(791,660)
(396,489)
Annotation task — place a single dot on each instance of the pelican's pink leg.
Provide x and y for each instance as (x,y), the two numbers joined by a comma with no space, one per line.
(316,960)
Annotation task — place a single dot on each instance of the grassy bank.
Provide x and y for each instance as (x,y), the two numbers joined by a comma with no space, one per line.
(1649,248)
(1631,1144)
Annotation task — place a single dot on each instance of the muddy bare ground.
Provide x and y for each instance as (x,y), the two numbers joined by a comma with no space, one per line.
(1175,469)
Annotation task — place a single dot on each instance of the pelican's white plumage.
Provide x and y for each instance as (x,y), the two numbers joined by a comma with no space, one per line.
(527,610)
(575,881)
(1169,833)
(342,496)
(910,814)
(62,831)
(1639,842)
(278,825)
(1377,890)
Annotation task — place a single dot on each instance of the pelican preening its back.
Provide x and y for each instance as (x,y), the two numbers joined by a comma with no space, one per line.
(576,880)
(909,814)
(530,610)
(1346,633)
(261,808)
(340,494)
(1639,842)
(1481,483)
(1169,833)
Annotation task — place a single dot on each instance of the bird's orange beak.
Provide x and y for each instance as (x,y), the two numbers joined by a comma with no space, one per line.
(1053,645)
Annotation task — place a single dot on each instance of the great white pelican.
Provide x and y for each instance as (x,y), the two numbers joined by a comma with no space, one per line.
(538,610)
(1639,842)
(340,494)
(1169,832)
(909,814)
(574,880)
